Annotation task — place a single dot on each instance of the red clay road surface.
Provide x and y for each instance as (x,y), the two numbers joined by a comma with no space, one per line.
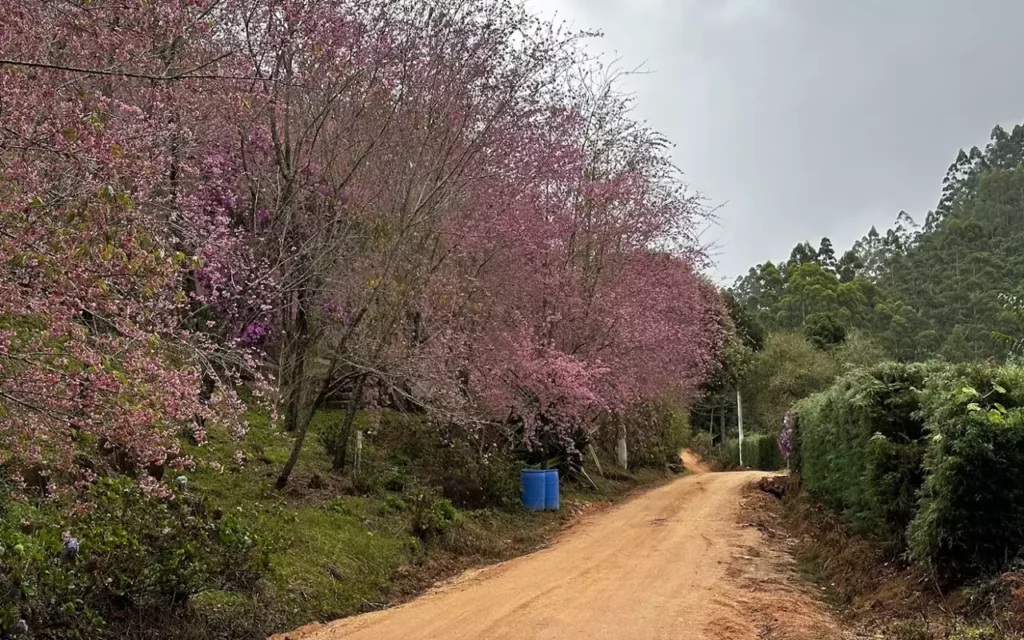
(663,565)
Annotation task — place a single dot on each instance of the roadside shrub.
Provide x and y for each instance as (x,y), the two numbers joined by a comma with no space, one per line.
(860,449)
(655,435)
(894,472)
(499,479)
(431,516)
(702,444)
(119,554)
(405,451)
(926,455)
(971,519)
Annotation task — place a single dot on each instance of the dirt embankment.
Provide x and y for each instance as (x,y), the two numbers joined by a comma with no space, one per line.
(677,562)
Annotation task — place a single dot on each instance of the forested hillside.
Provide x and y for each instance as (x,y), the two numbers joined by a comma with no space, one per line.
(934,286)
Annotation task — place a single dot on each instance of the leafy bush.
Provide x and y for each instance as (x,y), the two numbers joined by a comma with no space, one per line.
(431,516)
(860,449)
(971,518)
(655,435)
(702,444)
(404,452)
(929,455)
(788,369)
(120,552)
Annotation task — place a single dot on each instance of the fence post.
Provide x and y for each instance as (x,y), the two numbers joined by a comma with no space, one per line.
(739,419)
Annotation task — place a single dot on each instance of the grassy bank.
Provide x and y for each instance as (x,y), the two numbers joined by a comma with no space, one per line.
(342,546)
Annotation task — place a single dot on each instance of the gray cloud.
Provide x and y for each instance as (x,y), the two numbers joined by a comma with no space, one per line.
(811,118)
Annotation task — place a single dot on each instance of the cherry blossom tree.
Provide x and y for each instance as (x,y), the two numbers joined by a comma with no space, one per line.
(445,201)
(101,180)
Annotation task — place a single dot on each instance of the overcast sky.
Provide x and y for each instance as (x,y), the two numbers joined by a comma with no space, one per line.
(811,118)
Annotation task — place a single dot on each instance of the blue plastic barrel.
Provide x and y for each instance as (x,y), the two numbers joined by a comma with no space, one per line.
(533,482)
(551,490)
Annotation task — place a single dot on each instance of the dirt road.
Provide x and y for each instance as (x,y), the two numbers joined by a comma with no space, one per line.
(672,563)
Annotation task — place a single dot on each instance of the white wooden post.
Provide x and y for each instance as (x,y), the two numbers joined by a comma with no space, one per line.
(621,452)
(739,419)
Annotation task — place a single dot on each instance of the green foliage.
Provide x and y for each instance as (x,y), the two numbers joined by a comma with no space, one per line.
(760,452)
(405,452)
(964,631)
(824,331)
(121,553)
(937,290)
(971,518)
(326,424)
(860,446)
(927,455)
(788,369)
(1013,313)
(655,435)
(859,350)
(702,444)
(431,516)
(747,327)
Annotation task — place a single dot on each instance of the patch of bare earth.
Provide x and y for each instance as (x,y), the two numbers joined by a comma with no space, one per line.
(680,561)
(768,598)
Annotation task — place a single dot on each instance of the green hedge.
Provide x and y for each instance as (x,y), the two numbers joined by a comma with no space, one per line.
(926,455)
(860,447)
(971,517)
(759,452)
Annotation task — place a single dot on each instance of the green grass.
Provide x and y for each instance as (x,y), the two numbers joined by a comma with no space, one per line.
(335,554)
(332,555)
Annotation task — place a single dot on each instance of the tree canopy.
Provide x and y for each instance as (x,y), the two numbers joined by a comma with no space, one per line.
(923,291)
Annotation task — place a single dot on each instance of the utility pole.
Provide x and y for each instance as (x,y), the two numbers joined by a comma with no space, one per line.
(739,419)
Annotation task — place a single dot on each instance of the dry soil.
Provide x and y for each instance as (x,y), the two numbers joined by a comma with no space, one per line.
(679,562)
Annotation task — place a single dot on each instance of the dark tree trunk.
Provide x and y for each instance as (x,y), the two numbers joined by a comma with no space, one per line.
(297,367)
(345,429)
(303,428)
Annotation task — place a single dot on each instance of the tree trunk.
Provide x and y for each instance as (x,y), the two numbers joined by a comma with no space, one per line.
(345,430)
(593,454)
(296,369)
(721,425)
(205,394)
(291,406)
(302,427)
(321,396)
